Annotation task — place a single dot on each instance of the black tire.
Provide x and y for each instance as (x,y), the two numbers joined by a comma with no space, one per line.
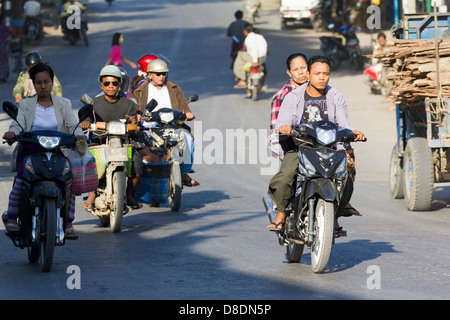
(396,175)
(34,253)
(294,252)
(324,234)
(335,62)
(254,93)
(174,188)
(48,234)
(419,177)
(116,216)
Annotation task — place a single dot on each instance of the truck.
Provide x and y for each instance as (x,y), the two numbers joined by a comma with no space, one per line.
(421,155)
(296,10)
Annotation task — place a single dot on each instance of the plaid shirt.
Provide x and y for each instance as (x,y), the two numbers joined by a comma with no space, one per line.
(277,100)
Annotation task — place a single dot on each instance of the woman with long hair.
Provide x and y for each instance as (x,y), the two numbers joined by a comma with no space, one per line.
(116,57)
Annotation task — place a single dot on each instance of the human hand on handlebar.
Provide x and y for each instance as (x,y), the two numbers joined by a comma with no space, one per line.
(9,135)
(286,129)
(85,125)
(359,136)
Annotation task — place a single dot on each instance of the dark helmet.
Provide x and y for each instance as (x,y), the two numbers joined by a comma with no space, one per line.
(125,80)
(32,58)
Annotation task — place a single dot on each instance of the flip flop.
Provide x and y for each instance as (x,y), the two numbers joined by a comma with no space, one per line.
(276,226)
(339,232)
(70,234)
(87,205)
(12,227)
(191,183)
(135,205)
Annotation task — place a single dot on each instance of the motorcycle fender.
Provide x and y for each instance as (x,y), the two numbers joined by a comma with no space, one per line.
(46,189)
(112,167)
(324,188)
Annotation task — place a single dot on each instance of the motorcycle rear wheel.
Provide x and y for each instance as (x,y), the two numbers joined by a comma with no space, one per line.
(396,175)
(254,93)
(116,216)
(294,252)
(174,188)
(83,36)
(48,234)
(324,233)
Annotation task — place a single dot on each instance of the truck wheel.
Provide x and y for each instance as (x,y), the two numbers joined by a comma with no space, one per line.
(396,175)
(418,180)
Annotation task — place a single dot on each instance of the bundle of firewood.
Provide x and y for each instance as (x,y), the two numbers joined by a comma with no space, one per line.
(411,66)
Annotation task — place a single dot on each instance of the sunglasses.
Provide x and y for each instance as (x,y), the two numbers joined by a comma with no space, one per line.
(160,74)
(114,83)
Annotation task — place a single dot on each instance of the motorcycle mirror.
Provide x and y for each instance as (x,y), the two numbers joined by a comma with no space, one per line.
(85,111)
(86,99)
(10,109)
(193,98)
(151,105)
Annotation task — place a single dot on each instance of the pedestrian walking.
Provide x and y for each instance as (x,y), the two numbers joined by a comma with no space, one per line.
(116,57)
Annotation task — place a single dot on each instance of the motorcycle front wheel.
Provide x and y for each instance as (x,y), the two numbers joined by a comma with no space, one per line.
(324,232)
(48,234)
(115,219)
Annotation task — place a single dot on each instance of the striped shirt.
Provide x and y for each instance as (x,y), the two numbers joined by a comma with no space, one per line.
(276,102)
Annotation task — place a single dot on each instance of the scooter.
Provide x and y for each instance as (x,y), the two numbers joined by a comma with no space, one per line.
(47,181)
(114,161)
(377,79)
(255,78)
(319,190)
(161,180)
(334,49)
(77,33)
(251,11)
(32,28)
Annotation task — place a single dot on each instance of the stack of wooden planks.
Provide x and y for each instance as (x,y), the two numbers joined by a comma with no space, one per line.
(411,66)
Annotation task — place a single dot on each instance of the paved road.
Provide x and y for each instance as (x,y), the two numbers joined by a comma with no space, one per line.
(216,247)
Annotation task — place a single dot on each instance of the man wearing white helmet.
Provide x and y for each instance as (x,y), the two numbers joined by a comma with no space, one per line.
(168,95)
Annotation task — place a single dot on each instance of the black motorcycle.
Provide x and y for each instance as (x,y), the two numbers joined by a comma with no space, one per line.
(321,180)
(336,51)
(47,181)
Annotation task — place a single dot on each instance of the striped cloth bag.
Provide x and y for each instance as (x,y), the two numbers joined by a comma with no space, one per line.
(84,172)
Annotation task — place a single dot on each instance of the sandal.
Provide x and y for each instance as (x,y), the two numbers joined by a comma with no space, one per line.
(190,183)
(134,205)
(88,205)
(339,232)
(12,227)
(70,234)
(276,226)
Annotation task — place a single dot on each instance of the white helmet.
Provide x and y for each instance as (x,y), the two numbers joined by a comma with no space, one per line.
(157,65)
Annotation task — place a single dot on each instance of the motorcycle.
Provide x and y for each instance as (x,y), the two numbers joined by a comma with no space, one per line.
(77,33)
(251,11)
(15,46)
(161,180)
(255,78)
(114,160)
(47,181)
(109,2)
(377,79)
(333,48)
(321,179)
(32,28)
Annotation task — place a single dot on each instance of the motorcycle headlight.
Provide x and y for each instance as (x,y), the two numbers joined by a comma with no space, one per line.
(325,136)
(166,117)
(341,170)
(49,142)
(307,168)
(117,127)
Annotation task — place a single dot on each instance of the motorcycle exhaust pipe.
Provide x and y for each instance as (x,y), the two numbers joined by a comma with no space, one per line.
(268,204)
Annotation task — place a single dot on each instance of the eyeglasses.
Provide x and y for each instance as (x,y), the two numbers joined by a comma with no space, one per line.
(114,83)
(161,74)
